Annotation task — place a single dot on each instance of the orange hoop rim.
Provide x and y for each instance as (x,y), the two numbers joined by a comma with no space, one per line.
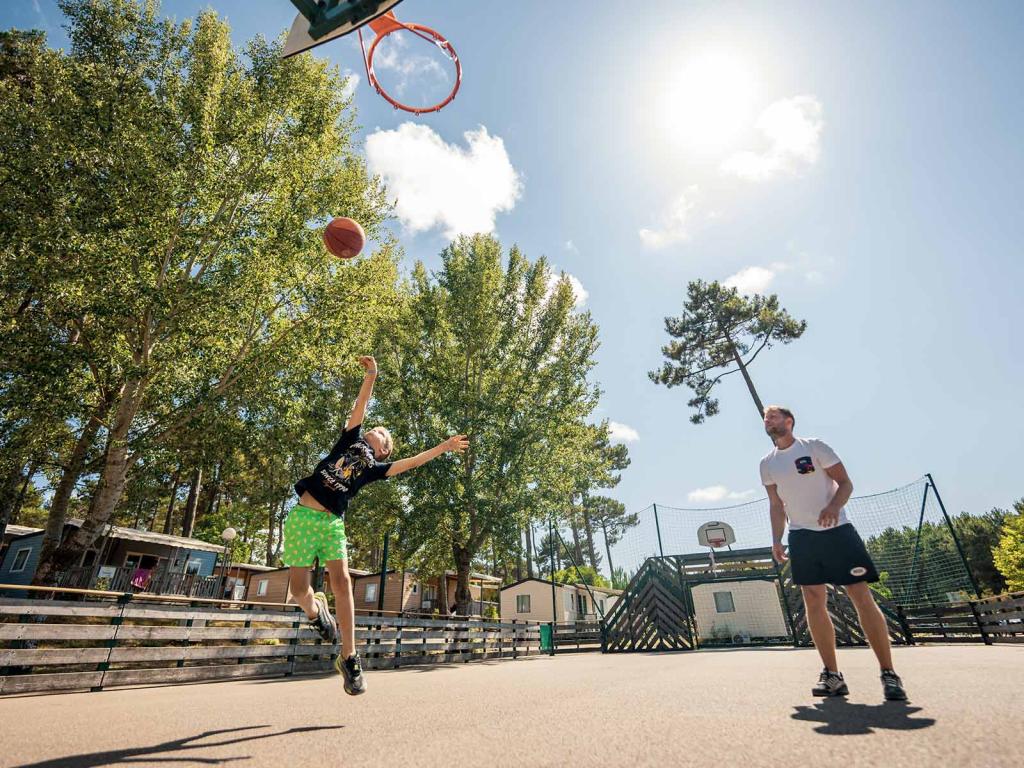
(427,33)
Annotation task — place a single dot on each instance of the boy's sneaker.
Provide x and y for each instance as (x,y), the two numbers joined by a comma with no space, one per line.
(324,623)
(892,686)
(830,684)
(352,670)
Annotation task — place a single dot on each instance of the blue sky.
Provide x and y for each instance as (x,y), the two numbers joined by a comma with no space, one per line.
(861,160)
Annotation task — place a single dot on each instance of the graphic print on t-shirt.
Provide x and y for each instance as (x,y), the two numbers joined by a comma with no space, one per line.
(804,465)
(341,476)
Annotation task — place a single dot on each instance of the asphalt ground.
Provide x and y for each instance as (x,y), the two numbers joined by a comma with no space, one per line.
(749,707)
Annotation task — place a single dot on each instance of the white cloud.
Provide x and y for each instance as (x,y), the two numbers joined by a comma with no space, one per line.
(622,433)
(715,493)
(436,184)
(570,246)
(675,223)
(792,129)
(750,280)
(391,57)
(578,291)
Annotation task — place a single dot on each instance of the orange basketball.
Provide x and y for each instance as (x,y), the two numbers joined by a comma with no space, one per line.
(344,237)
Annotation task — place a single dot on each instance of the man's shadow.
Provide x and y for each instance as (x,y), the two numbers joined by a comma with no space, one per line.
(149,755)
(841,718)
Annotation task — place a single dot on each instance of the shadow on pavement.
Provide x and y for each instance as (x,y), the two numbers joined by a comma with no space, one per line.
(841,718)
(149,755)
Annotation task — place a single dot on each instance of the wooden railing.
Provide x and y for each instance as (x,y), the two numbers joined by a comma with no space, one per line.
(998,619)
(577,635)
(93,640)
(130,579)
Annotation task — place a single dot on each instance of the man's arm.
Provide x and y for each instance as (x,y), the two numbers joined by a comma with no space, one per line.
(778,515)
(457,443)
(365,392)
(830,514)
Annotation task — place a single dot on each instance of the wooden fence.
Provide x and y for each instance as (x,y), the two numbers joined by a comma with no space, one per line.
(93,640)
(577,636)
(998,619)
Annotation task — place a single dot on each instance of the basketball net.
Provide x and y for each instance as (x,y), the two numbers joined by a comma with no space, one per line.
(713,544)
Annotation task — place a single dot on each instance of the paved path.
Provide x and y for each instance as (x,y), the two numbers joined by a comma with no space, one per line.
(712,708)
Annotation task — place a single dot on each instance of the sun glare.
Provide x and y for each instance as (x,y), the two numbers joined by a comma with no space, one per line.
(709,101)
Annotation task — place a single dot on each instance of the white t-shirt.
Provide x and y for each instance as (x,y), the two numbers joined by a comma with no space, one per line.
(798,472)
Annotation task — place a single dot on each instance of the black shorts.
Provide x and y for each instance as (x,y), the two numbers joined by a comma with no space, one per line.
(833,556)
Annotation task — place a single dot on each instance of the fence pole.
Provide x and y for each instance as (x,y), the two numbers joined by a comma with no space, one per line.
(384,574)
(956,539)
(911,583)
(657,527)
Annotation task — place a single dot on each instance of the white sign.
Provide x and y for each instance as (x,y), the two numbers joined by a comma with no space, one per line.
(107,572)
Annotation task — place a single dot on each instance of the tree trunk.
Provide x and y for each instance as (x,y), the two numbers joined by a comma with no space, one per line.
(608,550)
(529,550)
(280,533)
(463,597)
(112,479)
(69,479)
(271,507)
(746,377)
(577,551)
(169,520)
(9,495)
(20,501)
(588,528)
(189,520)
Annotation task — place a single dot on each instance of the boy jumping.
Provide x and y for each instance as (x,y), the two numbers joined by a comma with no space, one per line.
(315,527)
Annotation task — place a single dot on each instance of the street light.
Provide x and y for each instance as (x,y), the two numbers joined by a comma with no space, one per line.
(228,535)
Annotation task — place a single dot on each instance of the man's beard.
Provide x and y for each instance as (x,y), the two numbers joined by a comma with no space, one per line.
(776,432)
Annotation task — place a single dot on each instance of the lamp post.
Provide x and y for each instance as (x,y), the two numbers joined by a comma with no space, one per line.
(228,535)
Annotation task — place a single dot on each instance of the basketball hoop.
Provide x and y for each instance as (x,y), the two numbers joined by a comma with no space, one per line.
(386,24)
(320,22)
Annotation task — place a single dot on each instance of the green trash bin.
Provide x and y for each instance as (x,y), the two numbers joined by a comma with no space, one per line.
(545,637)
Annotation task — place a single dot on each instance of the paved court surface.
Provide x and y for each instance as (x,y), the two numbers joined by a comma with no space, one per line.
(711,708)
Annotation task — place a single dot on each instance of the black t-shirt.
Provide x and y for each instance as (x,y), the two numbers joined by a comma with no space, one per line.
(334,482)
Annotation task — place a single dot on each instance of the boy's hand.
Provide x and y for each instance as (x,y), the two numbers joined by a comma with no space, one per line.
(456,443)
(369,364)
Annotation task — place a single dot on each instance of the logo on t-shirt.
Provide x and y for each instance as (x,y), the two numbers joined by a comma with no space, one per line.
(804,465)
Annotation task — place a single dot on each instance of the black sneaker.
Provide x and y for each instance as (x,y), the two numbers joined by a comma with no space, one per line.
(892,686)
(352,670)
(830,684)
(324,623)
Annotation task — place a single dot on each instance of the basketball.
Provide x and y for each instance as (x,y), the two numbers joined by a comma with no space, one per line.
(344,237)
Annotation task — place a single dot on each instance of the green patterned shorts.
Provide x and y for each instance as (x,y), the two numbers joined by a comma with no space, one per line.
(311,533)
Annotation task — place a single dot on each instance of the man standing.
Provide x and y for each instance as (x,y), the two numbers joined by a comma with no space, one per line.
(807,483)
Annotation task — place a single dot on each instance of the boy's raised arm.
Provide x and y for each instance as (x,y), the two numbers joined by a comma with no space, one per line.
(365,392)
(457,443)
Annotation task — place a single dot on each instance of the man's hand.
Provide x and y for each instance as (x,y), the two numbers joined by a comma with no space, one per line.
(779,553)
(829,516)
(369,364)
(456,443)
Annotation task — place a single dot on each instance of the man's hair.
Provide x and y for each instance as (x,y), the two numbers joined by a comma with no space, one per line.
(387,443)
(783,411)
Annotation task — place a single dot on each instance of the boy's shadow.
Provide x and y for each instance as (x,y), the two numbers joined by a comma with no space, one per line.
(841,718)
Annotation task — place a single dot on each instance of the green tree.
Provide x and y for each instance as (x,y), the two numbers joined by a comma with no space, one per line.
(178,264)
(720,330)
(585,575)
(491,351)
(1009,554)
(611,517)
(979,535)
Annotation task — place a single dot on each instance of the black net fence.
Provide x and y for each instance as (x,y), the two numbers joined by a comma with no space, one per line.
(905,530)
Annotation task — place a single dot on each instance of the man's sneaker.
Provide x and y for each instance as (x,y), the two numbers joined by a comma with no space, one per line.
(892,686)
(830,684)
(352,670)
(324,623)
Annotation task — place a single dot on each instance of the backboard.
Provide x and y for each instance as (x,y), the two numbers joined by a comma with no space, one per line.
(319,23)
(715,534)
